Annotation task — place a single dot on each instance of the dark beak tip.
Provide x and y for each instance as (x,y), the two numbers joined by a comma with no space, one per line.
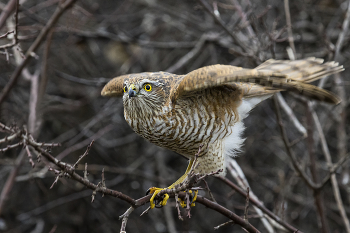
(132,93)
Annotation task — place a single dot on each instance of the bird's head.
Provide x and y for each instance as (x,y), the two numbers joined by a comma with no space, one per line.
(142,93)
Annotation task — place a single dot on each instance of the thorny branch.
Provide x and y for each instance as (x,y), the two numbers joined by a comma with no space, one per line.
(68,170)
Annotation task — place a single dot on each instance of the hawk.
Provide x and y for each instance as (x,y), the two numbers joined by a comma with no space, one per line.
(205,107)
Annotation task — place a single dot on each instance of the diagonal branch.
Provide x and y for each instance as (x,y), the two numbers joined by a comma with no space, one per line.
(259,205)
(291,154)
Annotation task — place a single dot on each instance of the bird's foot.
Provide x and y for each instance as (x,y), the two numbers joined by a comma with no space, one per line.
(192,199)
(157,203)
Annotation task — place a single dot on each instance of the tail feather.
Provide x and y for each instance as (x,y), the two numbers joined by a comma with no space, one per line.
(307,70)
(276,75)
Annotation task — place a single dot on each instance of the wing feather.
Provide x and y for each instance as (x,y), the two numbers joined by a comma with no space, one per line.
(270,77)
(114,87)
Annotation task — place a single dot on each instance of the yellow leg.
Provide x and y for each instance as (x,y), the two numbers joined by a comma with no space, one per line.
(183,177)
(155,190)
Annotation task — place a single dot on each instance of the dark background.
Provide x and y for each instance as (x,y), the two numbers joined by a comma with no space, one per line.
(95,41)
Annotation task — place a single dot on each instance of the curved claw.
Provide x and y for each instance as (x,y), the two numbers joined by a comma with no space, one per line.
(155,191)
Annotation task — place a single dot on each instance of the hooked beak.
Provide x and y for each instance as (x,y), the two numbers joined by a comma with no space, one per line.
(132,91)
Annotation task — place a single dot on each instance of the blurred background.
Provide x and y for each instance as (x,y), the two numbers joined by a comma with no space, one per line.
(57,97)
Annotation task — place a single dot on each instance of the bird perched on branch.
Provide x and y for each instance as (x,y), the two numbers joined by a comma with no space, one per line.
(206,106)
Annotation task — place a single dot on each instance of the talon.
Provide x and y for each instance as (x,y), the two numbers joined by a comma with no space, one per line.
(165,199)
(151,190)
(155,191)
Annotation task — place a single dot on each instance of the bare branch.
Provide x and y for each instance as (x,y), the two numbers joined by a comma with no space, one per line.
(317,193)
(291,115)
(289,28)
(345,28)
(291,154)
(191,54)
(246,206)
(7,33)
(125,217)
(85,154)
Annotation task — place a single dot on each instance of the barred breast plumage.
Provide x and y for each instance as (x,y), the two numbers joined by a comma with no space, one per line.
(200,120)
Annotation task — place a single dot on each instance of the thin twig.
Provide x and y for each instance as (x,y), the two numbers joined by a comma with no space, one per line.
(103,181)
(85,153)
(86,172)
(8,147)
(145,211)
(291,115)
(190,55)
(55,181)
(343,32)
(30,157)
(7,33)
(177,205)
(224,224)
(209,191)
(125,218)
(289,27)
(246,206)
(10,138)
(290,153)
(316,192)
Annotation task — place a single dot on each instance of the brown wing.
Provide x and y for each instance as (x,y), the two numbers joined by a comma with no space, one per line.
(271,76)
(115,86)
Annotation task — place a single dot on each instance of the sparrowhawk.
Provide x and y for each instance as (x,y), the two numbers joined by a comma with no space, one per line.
(206,106)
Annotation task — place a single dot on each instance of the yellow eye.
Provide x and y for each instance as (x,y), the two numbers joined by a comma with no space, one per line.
(148,87)
(125,89)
